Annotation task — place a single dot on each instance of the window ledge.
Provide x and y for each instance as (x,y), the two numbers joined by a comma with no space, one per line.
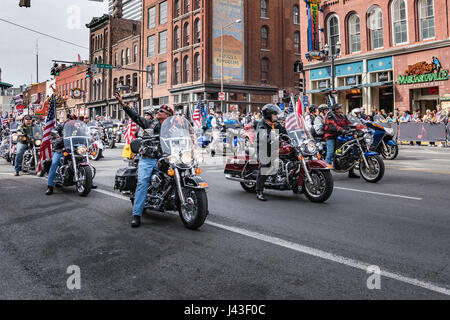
(265,18)
(265,50)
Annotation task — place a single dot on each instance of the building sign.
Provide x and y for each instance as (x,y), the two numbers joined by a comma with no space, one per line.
(323,84)
(312,7)
(383,76)
(350,81)
(423,72)
(77,93)
(226,13)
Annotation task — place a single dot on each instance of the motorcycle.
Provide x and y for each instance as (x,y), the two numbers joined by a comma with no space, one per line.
(9,141)
(177,184)
(300,167)
(108,137)
(227,137)
(74,168)
(352,151)
(117,130)
(31,158)
(383,141)
(97,147)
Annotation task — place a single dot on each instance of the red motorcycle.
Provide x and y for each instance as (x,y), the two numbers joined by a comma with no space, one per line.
(300,167)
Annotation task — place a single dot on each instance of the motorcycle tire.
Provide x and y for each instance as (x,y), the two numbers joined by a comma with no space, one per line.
(327,184)
(83,190)
(249,188)
(196,219)
(379,161)
(389,155)
(98,155)
(113,143)
(8,158)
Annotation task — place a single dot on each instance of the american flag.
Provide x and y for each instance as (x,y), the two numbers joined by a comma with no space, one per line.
(197,117)
(45,151)
(130,132)
(293,121)
(5,120)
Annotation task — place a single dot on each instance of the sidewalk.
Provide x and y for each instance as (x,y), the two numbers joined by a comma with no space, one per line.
(424,148)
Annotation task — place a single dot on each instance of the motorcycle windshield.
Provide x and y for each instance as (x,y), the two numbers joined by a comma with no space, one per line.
(76,133)
(37,132)
(355,120)
(14,126)
(178,138)
(297,130)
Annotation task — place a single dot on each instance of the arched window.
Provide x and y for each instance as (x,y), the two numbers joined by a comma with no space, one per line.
(264,37)
(128,80)
(99,90)
(122,58)
(186,69)
(115,84)
(135,53)
(197,31)
(399,21)
(186,35)
(135,82)
(101,41)
(177,8)
(176,41)
(187,6)
(426,19)
(128,56)
(265,70)
(95,90)
(297,42)
(333,32)
(115,59)
(197,67)
(296,15)
(176,67)
(264,9)
(354,33)
(375,26)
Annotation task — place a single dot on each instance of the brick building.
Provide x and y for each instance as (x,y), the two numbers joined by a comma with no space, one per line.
(107,32)
(380,40)
(69,79)
(182,45)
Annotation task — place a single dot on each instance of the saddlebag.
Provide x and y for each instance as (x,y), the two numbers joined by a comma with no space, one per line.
(126,179)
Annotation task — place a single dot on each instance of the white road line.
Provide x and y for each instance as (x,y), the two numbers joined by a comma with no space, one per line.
(379,193)
(440,159)
(314,252)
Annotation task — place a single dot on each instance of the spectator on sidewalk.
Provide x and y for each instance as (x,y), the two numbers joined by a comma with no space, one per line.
(429,118)
(406,117)
(441,115)
(417,116)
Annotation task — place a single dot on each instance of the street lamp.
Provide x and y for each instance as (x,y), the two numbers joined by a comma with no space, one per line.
(221,55)
(332,56)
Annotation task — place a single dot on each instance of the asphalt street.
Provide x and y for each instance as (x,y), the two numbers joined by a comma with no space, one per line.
(286,248)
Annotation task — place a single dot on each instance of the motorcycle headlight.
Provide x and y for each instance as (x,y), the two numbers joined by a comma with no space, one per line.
(368,137)
(172,159)
(37,143)
(309,147)
(14,137)
(81,150)
(186,158)
(199,158)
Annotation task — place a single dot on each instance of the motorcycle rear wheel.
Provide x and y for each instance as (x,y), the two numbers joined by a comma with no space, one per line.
(391,153)
(194,217)
(322,188)
(84,186)
(375,172)
(249,186)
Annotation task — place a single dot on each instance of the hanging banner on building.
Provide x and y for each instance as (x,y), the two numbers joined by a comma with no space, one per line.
(312,7)
(226,13)
(424,72)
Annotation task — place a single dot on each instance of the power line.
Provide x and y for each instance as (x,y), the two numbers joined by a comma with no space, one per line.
(44,34)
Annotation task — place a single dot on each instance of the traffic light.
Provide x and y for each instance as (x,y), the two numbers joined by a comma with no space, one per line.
(54,70)
(88,72)
(299,84)
(25,3)
(298,66)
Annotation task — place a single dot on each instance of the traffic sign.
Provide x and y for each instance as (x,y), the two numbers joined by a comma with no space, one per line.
(119,67)
(305,101)
(94,68)
(221,96)
(104,66)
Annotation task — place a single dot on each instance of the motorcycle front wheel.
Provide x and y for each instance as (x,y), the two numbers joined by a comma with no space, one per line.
(321,188)
(375,171)
(113,143)
(194,214)
(98,154)
(84,183)
(390,153)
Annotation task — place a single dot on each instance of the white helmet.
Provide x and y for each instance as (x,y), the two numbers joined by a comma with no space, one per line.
(356,111)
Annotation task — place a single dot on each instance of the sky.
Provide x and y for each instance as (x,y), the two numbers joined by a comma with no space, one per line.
(64,19)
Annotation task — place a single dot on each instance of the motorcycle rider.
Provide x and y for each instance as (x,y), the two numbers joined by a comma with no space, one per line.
(148,115)
(266,128)
(26,129)
(334,123)
(146,163)
(319,121)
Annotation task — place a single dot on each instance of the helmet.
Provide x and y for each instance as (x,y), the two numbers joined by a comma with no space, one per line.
(355,111)
(336,106)
(312,108)
(270,109)
(165,108)
(323,107)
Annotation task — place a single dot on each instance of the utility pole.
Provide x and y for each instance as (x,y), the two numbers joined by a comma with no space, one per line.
(37,62)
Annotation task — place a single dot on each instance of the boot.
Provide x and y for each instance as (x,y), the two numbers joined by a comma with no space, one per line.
(17,174)
(94,186)
(49,190)
(260,196)
(352,174)
(136,221)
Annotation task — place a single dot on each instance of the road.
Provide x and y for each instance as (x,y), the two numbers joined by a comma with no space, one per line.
(286,248)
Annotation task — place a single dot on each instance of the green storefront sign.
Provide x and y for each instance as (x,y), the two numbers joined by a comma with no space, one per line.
(428,77)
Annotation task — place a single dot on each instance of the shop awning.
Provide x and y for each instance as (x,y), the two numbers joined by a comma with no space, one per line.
(378,84)
(319,90)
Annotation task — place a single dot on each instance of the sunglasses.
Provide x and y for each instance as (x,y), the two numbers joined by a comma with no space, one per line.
(163,111)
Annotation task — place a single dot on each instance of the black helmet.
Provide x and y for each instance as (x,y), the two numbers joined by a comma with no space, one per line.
(336,106)
(269,109)
(312,108)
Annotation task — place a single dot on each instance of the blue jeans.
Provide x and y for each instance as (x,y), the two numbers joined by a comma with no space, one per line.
(331,143)
(52,173)
(145,171)
(21,148)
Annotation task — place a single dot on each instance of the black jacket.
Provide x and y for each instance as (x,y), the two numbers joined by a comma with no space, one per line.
(25,131)
(59,142)
(264,128)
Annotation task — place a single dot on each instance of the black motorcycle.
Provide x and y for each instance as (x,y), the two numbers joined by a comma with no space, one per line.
(177,185)
(30,159)
(74,168)
(108,137)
